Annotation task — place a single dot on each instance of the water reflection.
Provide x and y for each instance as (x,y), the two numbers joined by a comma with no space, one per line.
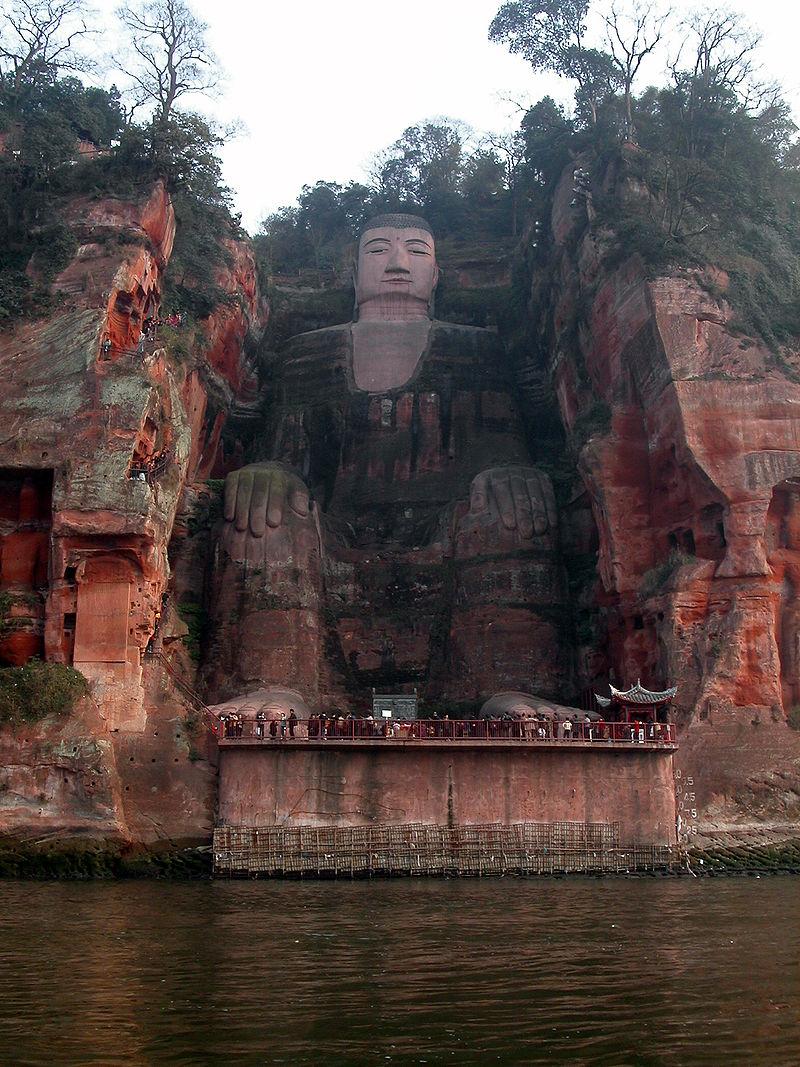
(495,971)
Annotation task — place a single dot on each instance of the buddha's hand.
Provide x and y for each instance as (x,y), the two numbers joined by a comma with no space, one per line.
(521,497)
(260,498)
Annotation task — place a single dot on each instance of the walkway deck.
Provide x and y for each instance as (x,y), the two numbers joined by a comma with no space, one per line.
(435,733)
(416,743)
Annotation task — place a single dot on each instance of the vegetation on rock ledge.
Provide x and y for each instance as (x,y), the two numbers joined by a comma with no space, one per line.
(31,693)
(60,138)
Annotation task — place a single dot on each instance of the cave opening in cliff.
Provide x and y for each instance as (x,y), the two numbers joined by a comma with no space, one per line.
(783,517)
(782,542)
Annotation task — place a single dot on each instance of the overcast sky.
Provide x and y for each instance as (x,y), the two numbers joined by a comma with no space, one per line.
(320,86)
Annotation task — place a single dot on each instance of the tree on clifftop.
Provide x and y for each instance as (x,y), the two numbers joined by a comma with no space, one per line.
(170,56)
(632,36)
(39,40)
(551,36)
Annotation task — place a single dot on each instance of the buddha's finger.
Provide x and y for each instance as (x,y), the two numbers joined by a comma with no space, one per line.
(231,489)
(277,491)
(478,496)
(523,508)
(505,501)
(243,494)
(258,503)
(540,523)
(298,499)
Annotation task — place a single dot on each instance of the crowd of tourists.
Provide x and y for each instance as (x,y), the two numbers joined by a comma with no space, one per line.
(528,728)
(233,725)
(148,334)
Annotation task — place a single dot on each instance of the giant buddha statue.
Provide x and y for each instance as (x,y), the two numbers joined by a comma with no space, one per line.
(394,532)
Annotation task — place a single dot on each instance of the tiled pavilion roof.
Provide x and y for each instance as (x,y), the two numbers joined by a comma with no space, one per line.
(637,694)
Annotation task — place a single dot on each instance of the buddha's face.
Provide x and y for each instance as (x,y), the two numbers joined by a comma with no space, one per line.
(397,273)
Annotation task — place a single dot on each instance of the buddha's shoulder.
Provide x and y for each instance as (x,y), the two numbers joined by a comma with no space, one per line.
(441,326)
(455,333)
(471,343)
(326,338)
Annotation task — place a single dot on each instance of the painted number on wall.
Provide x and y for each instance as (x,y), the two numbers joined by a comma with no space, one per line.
(686,799)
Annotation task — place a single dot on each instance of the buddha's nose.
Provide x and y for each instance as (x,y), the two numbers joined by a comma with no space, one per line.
(398,261)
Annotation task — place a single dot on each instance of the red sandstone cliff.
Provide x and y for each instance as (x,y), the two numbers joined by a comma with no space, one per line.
(683,431)
(686,438)
(103,429)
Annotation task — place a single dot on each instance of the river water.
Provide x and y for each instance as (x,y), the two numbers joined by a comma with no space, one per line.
(509,971)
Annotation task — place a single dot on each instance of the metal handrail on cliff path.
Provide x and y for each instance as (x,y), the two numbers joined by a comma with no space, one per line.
(150,344)
(210,720)
(152,472)
(236,728)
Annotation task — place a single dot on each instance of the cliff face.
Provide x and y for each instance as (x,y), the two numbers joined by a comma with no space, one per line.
(686,437)
(680,529)
(103,428)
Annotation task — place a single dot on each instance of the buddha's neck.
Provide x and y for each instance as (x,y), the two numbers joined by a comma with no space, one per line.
(393,307)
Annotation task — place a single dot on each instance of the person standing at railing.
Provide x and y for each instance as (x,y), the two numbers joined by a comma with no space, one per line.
(292,722)
(273,729)
(567,729)
(260,721)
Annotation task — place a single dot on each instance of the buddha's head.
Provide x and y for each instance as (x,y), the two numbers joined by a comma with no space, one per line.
(396,271)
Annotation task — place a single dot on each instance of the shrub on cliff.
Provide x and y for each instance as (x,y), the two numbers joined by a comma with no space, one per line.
(37,690)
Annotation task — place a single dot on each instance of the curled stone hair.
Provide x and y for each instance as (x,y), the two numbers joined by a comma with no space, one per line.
(398,222)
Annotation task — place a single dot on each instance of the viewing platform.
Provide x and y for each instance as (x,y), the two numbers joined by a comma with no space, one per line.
(438,733)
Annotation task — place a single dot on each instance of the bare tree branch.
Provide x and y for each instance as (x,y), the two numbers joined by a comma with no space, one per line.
(632,35)
(168,54)
(40,39)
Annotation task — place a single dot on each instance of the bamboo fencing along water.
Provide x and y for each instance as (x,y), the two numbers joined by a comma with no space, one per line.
(527,848)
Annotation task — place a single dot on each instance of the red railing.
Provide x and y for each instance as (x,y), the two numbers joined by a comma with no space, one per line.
(317,729)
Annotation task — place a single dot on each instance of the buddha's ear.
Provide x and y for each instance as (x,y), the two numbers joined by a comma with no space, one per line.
(354,276)
(432,301)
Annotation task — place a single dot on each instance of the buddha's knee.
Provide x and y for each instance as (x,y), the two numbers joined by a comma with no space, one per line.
(510,508)
(269,517)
